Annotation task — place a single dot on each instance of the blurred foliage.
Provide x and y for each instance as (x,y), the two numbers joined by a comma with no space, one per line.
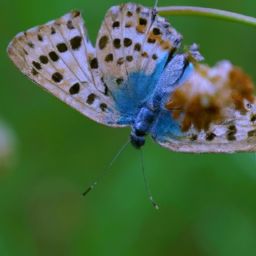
(7,148)
(207,202)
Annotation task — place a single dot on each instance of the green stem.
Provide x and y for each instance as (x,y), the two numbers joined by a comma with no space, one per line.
(207,12)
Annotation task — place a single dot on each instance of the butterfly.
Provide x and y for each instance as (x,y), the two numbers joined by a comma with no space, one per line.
(137,76)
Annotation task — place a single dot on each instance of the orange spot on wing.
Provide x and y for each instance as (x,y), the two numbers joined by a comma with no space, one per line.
(166,45)
(242,88)
(200,110)
(141,29)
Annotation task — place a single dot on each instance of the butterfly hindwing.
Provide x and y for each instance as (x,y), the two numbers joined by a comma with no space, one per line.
(235,135)
(213,111)
(59,57)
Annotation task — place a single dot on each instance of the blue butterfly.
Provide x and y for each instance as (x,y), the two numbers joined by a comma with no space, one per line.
(129,79)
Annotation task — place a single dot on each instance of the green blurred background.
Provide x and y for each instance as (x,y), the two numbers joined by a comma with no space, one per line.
(207,202)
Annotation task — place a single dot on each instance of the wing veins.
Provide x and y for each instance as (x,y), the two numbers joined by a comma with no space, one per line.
(72,53)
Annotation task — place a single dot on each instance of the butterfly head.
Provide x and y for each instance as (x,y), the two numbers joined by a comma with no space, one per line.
(137,139)
(141,126)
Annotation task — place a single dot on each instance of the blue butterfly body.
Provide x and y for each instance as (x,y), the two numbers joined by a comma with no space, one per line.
(145,109)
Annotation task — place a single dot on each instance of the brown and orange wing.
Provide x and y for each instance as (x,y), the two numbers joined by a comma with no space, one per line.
(215,111)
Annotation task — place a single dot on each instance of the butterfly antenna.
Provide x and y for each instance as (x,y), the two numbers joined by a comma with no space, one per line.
(151,199)
(106,170)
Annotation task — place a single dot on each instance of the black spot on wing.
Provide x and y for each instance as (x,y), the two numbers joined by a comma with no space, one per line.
(156,31)
(53,56)
(103,107)
(43,59)
(252,133)
(154,57)
(70,25)
(40,38)
(62,47)
(231,133)
(127,42)
(210,136)
(75,42)
(129,14)
(253,118)
(116,24)
(57,77)
(94,63)
(34,72)
(117,43)
(129,58)
(193,137)
(137,47)
(151,40)
(138,9)
(31,45)
(143,22)
(120,61)
(37,65)
(53,31)
(119,81)
(74,89)
(103,42)
(109,57)
(90,99)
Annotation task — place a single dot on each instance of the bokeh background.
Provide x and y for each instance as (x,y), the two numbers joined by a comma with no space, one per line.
(207,202)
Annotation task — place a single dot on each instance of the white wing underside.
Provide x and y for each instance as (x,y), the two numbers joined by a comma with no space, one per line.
(244,143)
(59,57)
(228,147)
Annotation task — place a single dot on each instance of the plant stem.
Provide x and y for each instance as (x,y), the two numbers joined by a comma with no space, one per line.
(207,12)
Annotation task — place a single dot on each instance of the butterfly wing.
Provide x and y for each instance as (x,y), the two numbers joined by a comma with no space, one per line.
(133,46)
(233,136)
(59,57)
(214,111)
